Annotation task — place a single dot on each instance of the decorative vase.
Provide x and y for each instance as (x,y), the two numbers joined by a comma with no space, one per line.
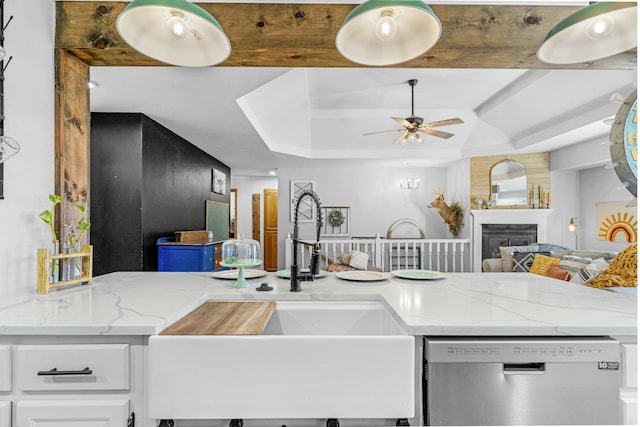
(72,267)
(54,264)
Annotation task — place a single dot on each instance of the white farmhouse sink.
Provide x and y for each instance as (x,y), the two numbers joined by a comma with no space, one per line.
(315,359)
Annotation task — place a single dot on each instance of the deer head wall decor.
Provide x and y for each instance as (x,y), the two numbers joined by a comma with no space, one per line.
(449,215)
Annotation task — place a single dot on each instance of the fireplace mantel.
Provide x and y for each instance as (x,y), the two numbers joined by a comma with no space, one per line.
(504,216)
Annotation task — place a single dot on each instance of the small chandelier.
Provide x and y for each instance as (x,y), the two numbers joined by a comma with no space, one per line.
(410,183)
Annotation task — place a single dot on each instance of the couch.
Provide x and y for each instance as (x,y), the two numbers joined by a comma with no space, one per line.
(579,266)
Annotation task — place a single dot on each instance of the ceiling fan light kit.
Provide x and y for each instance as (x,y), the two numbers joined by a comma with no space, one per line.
(597,31)
(414,124)
(387,32)
(176,32)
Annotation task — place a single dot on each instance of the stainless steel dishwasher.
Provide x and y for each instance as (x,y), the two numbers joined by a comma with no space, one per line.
(521,381)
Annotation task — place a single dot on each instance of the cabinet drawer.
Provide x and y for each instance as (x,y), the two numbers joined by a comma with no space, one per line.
(629,365)
(5,414)
(81,413)
(72,367)
(5,368)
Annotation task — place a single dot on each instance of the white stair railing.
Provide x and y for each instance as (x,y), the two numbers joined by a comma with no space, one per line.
(445,255)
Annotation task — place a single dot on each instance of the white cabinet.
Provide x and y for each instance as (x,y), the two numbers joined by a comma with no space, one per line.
(84,413)
(5,414)
(629,379)
(72,367)
(629,409)
(5,368)
(72,381)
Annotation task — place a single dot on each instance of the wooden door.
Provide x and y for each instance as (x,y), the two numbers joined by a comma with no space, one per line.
(270,230)
(255,217)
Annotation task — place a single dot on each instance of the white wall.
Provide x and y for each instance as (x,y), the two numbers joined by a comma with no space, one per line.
(598,185)
(565,203)
(247,186)
(374,195)
(458,188)
(29,101)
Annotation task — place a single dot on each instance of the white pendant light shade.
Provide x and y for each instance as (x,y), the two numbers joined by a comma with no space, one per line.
(597,31)
(386,32)
(174,31)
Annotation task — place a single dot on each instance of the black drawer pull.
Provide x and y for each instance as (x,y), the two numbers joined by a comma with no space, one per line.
(54,371)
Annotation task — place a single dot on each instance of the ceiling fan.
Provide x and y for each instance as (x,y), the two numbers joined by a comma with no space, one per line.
(414,124)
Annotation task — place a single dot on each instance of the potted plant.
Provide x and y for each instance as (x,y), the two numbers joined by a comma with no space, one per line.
(48,216)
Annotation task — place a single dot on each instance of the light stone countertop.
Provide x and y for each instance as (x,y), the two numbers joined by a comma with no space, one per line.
(144,303)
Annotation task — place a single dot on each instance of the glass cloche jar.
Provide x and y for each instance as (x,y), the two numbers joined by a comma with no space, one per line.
(240,253)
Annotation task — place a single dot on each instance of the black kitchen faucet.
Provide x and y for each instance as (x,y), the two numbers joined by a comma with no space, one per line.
(314,265)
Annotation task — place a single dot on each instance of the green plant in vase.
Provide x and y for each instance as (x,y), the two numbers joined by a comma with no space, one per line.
(48,216)
(73,244)
(75,232)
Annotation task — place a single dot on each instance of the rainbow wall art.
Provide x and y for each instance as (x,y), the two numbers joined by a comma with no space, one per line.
(617,223)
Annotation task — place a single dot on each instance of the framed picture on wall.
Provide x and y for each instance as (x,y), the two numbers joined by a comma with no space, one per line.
(218,181)
(306,212)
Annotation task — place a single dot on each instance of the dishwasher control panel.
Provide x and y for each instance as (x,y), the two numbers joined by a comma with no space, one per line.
(522,349)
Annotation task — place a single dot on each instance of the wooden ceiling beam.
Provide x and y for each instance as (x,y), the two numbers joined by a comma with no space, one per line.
(303,35)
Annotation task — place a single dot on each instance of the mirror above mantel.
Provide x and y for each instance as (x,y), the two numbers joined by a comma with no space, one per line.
(516,174)
(509,183)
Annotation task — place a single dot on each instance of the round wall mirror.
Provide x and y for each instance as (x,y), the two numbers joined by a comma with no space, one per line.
(508,183)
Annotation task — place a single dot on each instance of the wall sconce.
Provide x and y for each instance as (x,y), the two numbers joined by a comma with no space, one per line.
(597,31)
(173,31)
(573,227)
(386,32)
(410,183)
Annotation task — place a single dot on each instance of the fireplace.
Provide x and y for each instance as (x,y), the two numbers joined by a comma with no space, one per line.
(530,218)
(496,235)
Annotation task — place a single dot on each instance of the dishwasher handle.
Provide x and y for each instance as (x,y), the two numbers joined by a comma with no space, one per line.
(523,368)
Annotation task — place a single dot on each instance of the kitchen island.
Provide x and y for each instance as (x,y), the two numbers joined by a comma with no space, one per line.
(125,308)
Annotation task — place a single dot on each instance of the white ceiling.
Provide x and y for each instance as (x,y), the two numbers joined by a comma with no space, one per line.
(258,119)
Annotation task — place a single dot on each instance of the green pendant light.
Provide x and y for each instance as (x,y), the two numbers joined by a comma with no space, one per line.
(599,30)
(387,32)
(174,31)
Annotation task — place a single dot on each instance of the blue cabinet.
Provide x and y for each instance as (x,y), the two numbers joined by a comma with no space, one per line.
(191,256)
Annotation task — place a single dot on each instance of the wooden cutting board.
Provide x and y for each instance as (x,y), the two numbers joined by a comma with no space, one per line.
(224,318)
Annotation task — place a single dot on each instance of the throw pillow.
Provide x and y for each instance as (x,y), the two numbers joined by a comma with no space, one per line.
(590,271)
(607,255)
(506,253)
(573,263)
(522,260)
(359,260)
(344,258)
(541,264)
(558,273)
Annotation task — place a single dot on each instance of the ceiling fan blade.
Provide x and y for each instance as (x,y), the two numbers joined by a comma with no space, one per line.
(443,123)
(403,122)
(384,131)
(400,139)
(438,133)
